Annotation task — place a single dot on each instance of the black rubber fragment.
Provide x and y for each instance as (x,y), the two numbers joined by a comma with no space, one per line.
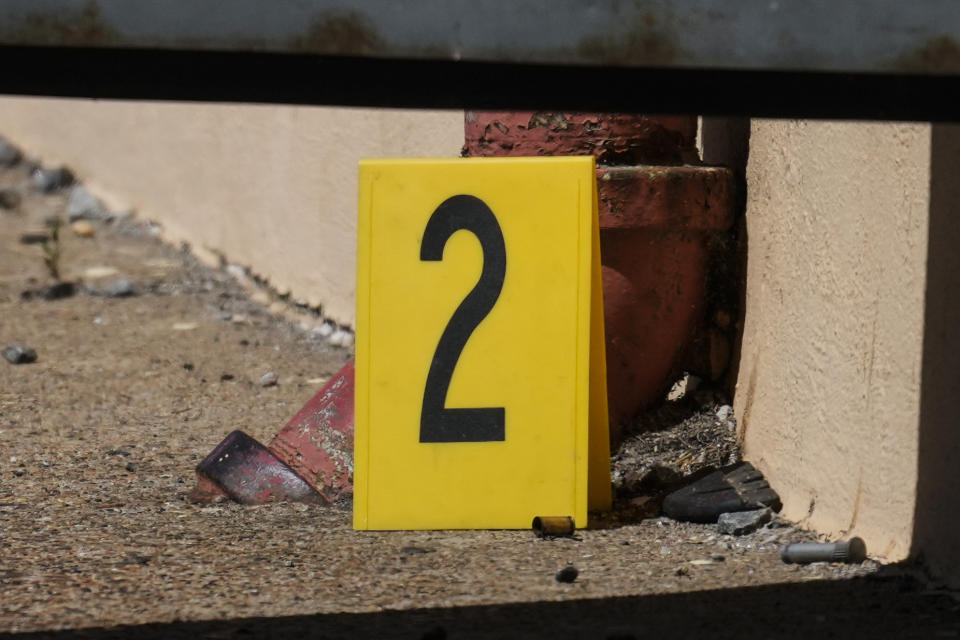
(738,488)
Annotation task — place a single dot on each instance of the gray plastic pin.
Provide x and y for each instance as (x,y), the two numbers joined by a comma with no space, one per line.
(852,551)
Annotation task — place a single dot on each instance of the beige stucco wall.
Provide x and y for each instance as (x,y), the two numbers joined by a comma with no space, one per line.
(828,395)
(272,188)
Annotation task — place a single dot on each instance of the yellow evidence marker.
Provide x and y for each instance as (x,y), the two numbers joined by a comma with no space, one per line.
(480,373)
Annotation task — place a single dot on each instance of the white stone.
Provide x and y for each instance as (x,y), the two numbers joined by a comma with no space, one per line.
(323,330)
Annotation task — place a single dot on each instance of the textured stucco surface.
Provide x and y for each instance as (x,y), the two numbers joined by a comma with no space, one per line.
(272,188)
(828,395)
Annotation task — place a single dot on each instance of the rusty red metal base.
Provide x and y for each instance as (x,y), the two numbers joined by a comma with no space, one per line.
(657,220)
(310,460)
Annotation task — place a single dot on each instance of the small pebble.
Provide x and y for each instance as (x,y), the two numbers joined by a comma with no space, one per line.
(568,574)
(743,522)
(269,379)
(130,467)
(184,326)
(82,205)
(58,291)
(49,180)
(83,229)
(322,330)
(9,199)
(341,338)
(19,354)
(9,154)
(226,377)
(237,272)
(121,288)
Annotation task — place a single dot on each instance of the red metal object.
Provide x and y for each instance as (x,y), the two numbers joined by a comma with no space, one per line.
(656,218)
(655,224)
(309,460)
(318,442)
(613,138)
(668,200)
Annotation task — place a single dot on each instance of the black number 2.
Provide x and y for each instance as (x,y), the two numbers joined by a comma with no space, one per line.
(438,423)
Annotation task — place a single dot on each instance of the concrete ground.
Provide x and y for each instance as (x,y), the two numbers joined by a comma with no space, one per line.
(99,438)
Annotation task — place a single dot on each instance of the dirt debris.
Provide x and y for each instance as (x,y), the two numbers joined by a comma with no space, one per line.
(685,435)
(666,447)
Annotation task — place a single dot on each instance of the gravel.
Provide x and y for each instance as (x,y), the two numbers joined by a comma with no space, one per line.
(743,522)
(323,330)
(19,354)
(82,205)
(55,291)
(676,440)
(50,180)
(341,338)
(121,288)
(568,574)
